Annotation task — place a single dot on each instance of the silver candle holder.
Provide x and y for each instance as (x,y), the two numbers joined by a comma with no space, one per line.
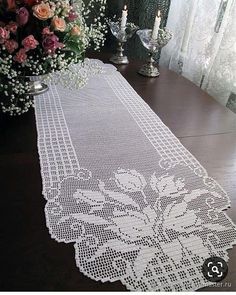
(122,35)
(150,69)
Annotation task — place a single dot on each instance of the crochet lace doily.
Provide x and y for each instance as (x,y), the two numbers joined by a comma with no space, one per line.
(137,205)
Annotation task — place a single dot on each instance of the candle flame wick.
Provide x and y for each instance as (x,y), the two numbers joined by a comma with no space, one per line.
(158,13)
(125,7)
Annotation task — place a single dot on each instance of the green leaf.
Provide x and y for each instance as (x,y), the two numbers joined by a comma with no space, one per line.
(74,46)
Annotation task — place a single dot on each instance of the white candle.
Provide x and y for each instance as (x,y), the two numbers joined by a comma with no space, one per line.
(156,26)
(124,18)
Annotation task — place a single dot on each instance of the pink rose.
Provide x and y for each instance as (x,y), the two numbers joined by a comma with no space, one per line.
(72,16)
(46,31)
(11,45)
(22,16)
(4,35)
(51,44)
(12,27)
(30,43)
(21,56)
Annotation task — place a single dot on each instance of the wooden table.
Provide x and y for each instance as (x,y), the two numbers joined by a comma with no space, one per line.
(30,259)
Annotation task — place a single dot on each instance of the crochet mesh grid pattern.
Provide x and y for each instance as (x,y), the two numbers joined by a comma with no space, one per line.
(137,205)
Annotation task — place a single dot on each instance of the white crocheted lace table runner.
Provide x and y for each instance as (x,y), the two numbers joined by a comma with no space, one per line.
(137,205)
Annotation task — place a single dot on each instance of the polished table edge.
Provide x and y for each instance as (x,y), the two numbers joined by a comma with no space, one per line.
(199,98)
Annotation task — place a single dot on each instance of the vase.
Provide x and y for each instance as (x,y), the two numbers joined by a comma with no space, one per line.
(36,86)
(17,96)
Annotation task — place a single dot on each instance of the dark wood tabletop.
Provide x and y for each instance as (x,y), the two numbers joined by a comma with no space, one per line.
(30,259)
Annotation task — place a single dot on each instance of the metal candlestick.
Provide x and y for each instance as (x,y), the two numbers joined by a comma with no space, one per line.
(153,46)
(122,35)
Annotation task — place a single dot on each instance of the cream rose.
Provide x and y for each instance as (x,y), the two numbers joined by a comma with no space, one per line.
(58,24)
(75,31)
(42,11)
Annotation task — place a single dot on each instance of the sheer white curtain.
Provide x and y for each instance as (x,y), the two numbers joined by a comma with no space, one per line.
(204,45)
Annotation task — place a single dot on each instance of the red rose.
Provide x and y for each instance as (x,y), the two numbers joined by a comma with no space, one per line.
(51,44)
(11,45)
(30,43)
(31,2)
(21,56)
(22,16)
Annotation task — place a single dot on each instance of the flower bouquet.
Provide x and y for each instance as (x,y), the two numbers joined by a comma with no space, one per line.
(42,37)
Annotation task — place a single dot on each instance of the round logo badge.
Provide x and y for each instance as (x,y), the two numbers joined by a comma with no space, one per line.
(215,269)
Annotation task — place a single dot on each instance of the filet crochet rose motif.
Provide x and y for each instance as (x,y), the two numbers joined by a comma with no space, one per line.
(137,205)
